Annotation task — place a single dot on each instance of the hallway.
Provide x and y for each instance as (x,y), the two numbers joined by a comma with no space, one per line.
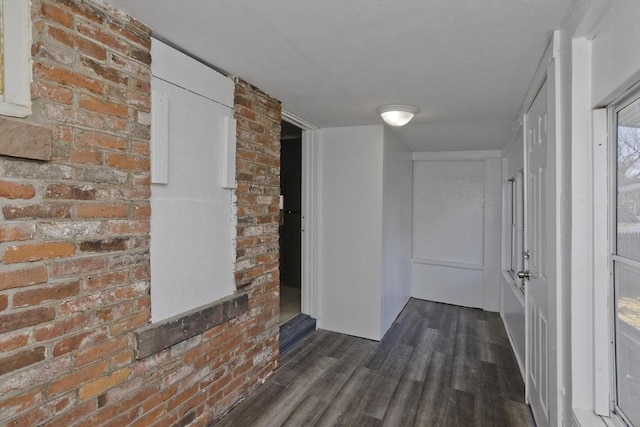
(439,365)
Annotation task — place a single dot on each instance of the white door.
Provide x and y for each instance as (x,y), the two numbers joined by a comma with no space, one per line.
(540,253)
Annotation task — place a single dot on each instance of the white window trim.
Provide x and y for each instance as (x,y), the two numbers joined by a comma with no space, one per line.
(601,269)
(16,32)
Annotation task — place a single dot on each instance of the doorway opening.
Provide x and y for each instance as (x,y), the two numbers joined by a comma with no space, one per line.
(290,222)
(294,325)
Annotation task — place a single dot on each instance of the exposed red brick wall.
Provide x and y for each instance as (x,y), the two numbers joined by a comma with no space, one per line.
(74,242)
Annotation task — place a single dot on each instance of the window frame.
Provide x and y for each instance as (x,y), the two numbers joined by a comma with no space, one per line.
(15,30)
(629,97)
(515,228)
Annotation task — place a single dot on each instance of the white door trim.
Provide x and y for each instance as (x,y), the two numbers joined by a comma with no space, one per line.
(309,282)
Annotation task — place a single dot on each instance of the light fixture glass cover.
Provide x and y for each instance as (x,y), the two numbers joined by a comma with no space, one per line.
(397,115)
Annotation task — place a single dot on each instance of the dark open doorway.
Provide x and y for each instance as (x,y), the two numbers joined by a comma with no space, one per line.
(293,324)
(290,221)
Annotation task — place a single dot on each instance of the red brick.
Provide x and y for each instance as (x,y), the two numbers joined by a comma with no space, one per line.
(102,416)
(126,162)
(77,378)
(63,327)
(21,359)
(12,190)
(141,273)
(4,302)
(95,32)
(126,226)
(113,312)
(71,416)
(105,245)
(104,107)
(67,78)
(51,92)
(34,297)
(83,339)
(17,232)
(102,140)
(158,398)
(85,155)
(141,210)
(57,15)
(24,318)
(86,10)
(14,405)
(103,384)
(91,210)
(12,342)
(116,124)
(139,397)
(113,278)
(101,70)
(121,359)
(64,134)
(130,323)
(102,350)
(77,266)
(126,292)
(80,304)
(23,277)
(74,192)
(140,148)
(44,210)
(138,37)
(38,252)
(83,45)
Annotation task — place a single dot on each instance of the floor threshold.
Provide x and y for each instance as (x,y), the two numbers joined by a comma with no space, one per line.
(295,330)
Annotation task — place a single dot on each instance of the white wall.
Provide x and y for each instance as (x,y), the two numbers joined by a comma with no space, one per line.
(616,54)
(193,217)
(396,228)
(456,228)
(364,224)
(350,173)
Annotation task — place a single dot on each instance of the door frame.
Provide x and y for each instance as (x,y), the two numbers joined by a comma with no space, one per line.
(553,69)
(309,247)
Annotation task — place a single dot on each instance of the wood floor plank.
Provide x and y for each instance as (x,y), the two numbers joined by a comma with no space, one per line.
(249,410)
(404,404)
(434,400)
(461,410)
(307,412)
(439,365)
(292,396)
(335,378)
(489,410)
(342,408)
(378,396)
(421,356)
(518,414)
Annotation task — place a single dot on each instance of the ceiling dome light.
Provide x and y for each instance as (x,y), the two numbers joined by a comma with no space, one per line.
(397,115)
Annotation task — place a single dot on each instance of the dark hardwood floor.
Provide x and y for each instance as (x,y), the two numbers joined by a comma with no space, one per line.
(439,365)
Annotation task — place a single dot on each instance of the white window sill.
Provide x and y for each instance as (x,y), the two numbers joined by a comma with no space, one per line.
(587,418)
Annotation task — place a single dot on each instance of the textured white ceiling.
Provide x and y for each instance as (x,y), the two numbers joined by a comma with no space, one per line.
(465,64)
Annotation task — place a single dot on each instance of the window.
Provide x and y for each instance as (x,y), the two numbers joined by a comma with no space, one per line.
(15,58)
(625,259)
(515,225)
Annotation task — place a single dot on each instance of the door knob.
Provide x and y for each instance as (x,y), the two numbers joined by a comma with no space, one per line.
(523,274)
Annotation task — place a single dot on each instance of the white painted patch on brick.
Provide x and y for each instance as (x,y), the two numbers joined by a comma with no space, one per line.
(69,229)
(261,357)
